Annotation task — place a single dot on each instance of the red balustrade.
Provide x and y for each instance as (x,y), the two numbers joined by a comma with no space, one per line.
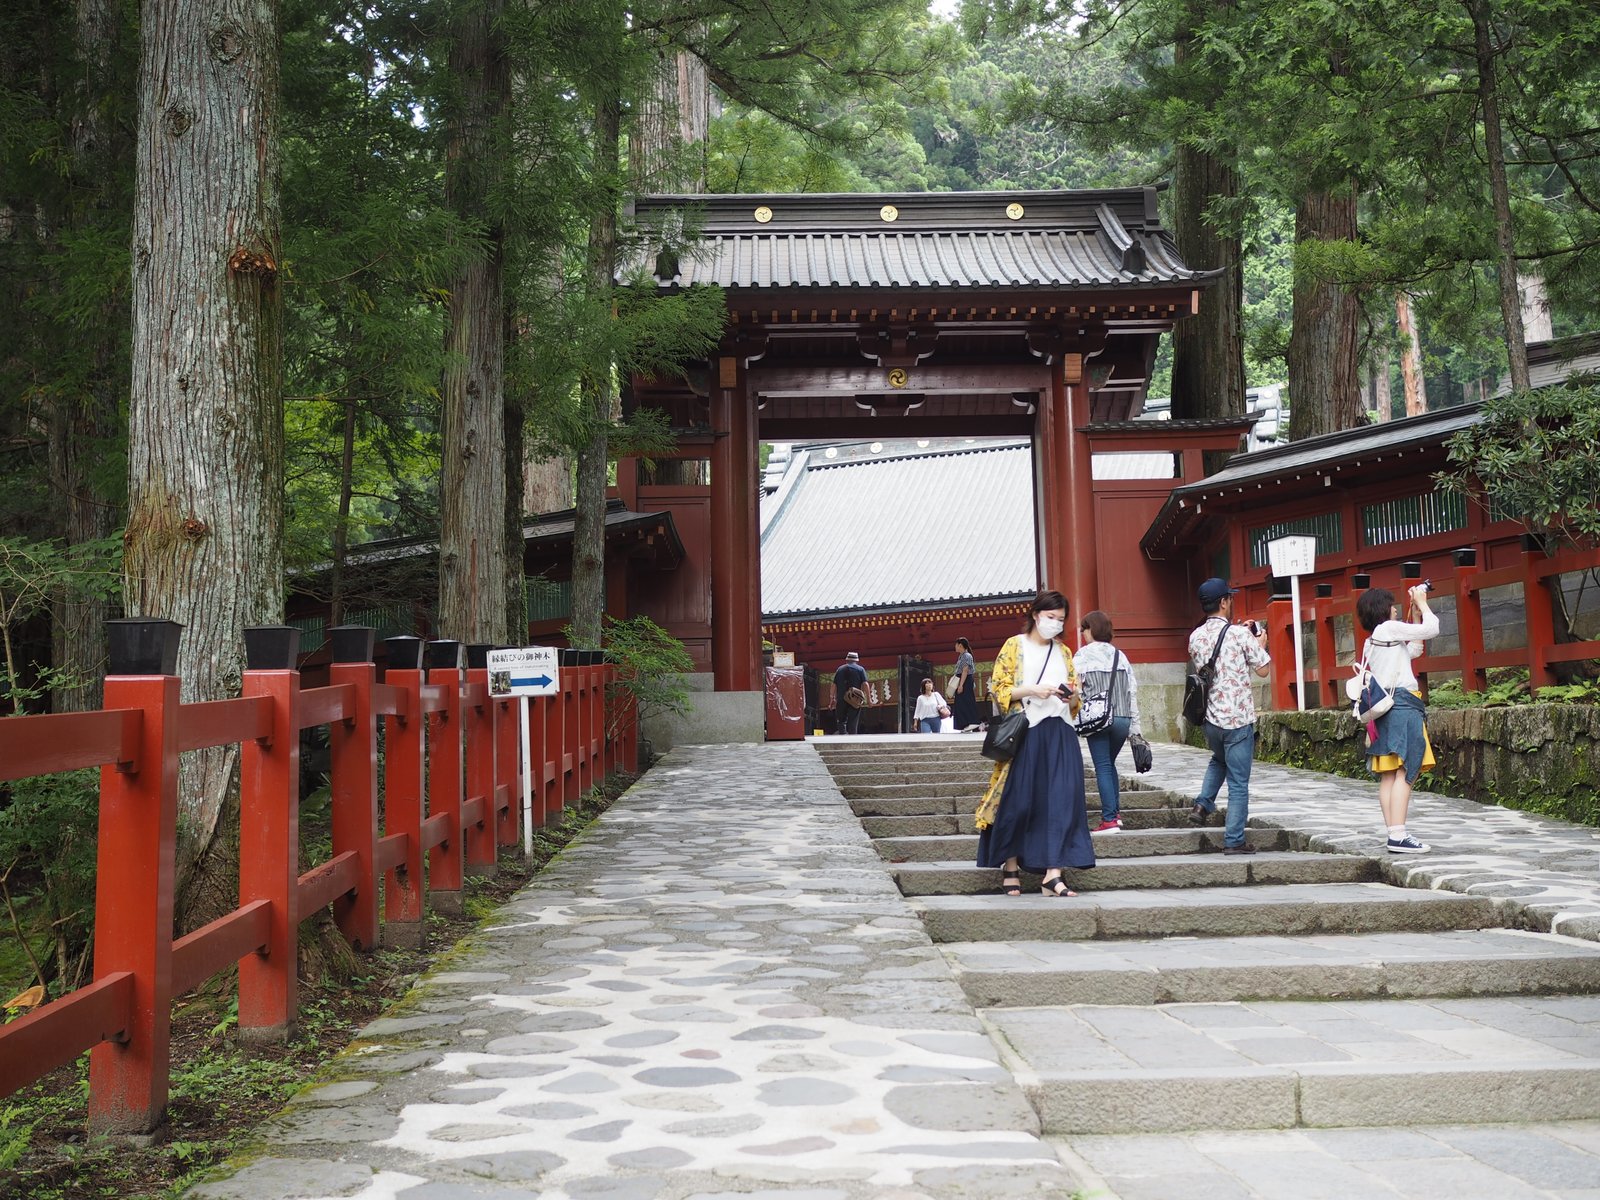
(451,793)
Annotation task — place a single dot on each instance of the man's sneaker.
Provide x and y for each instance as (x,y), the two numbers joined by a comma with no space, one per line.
(1111,826)
(1407,845)
(1241,848)
(1198,815)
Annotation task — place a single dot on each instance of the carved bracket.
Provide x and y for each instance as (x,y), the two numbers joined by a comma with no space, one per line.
(899,344)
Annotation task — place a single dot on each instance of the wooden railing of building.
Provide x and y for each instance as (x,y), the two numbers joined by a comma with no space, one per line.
(1535,572)
(451,794)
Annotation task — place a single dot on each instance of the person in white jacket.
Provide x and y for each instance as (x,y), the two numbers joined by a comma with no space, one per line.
(931,709)
(1400,750)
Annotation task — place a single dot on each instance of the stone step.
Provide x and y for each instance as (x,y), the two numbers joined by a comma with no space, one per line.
(1207,912)
(907,747)
(961,820)
(1284,1064)
(1127,843)
(976,775)
(1475,962)
(930,790)
(1153,871)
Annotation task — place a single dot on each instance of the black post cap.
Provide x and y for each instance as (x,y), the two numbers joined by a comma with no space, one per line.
(143,646)
(1361,581)
(1411,569)
(403,653)
(352,643)
(271,647)
(478,655)
(1532,543)
(1324,590)
(1466,556)
(569,658)
(1278,587)
(444,655)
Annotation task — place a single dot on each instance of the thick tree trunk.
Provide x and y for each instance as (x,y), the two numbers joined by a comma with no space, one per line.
(599,395)
(205,438)
(1500,194)
(1324,350)
(341,523)
(1382,398)
(1410,358)
(546,485)
(472,485)
(515,416)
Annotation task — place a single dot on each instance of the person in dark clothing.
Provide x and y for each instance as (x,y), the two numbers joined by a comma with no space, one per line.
(964,689)
(850,674)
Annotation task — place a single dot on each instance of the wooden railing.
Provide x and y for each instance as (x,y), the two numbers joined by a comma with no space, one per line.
(1535,571)
(451,787)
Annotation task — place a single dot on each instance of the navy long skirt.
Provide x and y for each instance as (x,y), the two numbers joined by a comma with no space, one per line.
(1042,820)
(964,707)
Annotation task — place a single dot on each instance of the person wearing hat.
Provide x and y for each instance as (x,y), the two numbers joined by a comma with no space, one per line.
(851,674)
(1230,726)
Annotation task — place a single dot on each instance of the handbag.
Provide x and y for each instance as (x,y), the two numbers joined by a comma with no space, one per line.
(943,712)
(1197,685)
(1004,738)
(1143,760)
(1370,698)
(855,697)
(1095,712)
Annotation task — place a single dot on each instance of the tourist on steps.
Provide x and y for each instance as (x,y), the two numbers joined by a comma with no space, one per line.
(931,709)
(1230,726)
(1032,815)
(1101,668)
(1401,750)
(964,689)
(849,684)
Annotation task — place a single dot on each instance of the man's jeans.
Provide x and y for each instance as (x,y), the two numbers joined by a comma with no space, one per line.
(1232,753)
(848,718)
(1103,750)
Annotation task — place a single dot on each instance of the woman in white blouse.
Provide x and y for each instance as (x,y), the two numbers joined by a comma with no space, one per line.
(931,709)
(1400,751)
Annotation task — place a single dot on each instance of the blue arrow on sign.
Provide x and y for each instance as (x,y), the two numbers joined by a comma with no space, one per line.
(532,681)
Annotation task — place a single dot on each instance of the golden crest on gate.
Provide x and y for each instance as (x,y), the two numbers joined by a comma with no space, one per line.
(898,377)
(889,212)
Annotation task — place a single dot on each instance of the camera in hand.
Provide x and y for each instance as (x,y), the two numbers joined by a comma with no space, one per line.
(1254,627)
(1063,691)
(1426,585)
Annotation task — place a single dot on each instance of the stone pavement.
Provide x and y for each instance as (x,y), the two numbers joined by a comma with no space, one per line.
(719,991)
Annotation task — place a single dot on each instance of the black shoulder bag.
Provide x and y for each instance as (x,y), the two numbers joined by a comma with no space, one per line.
(1197,685)
(1005,734)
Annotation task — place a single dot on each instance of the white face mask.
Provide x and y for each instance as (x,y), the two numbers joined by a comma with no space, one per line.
(1049,627)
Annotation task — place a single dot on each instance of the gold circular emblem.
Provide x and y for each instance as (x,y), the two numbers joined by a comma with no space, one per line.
(898,377)
(763,214)
(1014,211)
(889,212)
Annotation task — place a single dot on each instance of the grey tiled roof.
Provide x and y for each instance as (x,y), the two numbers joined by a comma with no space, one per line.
(915,529)
(1101,239)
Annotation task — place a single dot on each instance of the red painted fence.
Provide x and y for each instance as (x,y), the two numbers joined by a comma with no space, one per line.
(1535,572)
(451,787)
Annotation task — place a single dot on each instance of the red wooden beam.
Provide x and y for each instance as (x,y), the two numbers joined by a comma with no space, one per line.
(390,701)
(435,831)
(52,1036)
(67,741)
(325,705)
(321,886)
(392,851)
(215,947)
(223,722)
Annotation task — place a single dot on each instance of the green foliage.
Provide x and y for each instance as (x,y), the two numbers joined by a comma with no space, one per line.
(14,1135)
(1502,688)
(651,664)
(32,575)
(48,833)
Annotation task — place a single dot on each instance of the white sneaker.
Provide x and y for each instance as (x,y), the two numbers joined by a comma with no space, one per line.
(1407,845)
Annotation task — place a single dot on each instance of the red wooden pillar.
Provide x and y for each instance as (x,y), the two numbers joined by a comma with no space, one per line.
(269,836)
(1538,603)
(538,719)
(444,778)
(353,781)
(477,719)
(552,766)
(597,723)
(403,896)
(1050,431)
(1469,616)
(134,879)
(570,733)
(1329,678)
(1064,483)
(508,770)
(608,726)
(582,767)
(735,582)
(1281,634)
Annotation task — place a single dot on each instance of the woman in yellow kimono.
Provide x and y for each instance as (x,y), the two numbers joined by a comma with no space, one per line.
(1032,816)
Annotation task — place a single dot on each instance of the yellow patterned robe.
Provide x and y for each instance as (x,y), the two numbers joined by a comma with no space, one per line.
(1005,678)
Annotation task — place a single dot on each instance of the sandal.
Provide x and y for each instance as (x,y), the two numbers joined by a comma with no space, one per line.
(1011,885)
(1056,887)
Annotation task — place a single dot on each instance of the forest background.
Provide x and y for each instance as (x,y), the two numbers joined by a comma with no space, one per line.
(281,278)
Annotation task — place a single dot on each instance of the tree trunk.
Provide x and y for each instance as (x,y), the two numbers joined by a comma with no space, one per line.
(514,416)
(84,423)
(599,394)
(1382,400)
(205,438)
(546,485)
(1324,340)
(1416,388)
(341,524)
(1500,194)
(472,484)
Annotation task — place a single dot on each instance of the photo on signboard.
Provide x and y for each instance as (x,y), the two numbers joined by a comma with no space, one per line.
(499,683)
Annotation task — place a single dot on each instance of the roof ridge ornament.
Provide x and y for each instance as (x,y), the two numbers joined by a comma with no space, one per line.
(1121,240)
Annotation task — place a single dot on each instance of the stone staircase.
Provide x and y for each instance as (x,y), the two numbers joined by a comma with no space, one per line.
(1186,990)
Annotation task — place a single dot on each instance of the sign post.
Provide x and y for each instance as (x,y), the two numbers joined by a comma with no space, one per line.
(530,671)
(1292,557)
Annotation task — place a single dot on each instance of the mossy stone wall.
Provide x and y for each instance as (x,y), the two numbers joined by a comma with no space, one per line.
(1543,758)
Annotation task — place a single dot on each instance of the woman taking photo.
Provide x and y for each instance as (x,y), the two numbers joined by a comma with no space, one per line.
(1400,750)
(1101,668)
(931,709)
(1032,815)
(964,688)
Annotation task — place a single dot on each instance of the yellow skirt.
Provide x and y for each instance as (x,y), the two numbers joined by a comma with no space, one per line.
(1392,762)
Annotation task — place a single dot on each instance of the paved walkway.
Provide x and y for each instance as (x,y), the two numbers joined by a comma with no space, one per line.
(718,992)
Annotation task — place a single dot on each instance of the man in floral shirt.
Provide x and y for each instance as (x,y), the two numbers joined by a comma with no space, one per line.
(1230,709)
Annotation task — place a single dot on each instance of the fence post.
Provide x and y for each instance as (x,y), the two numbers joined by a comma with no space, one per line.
(353,780)
(1469,616)
(1538,605)
(571,729)
(1280,645)
(269,835)
(597,717)
(508,753)
(1328,680)
(134,878)
(477,719)
(444,776)
(403,898)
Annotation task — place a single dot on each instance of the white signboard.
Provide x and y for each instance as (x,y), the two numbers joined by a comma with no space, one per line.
(530,671)
(1292,555)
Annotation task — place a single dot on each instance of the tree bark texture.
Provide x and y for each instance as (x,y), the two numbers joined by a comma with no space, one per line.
(667,137)
(514,417)
(472,540)
(599,393)
(1410,358)
(1382,399)
(1500,195)
(1324,339)
(205,446)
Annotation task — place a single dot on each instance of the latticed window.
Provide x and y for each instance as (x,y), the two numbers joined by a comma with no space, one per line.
(390,620)
(313,632)
(1412,517)
(549,600)
(1325,527)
